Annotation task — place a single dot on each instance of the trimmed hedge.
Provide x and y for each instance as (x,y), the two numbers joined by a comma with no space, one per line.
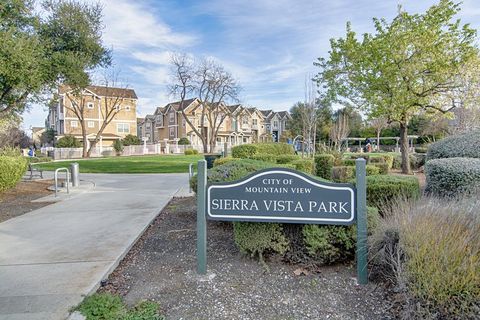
(12,170)
(372,170)
(323,165)
(452,176)
(382,167)
(220,161)
(421,149)
(248,151)
(305,165)
(343,173)
(349,162)
(332,244)
(189,152)
(244,151)
(287,158)
(264,157)
(465,145)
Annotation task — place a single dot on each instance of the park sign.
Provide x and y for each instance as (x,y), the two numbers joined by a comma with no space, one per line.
(283,196)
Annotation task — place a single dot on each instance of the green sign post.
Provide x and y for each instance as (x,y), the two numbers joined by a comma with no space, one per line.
(283,196)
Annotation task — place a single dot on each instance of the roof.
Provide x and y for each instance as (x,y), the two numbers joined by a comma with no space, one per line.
(265,112)
(176,105)
(140,120)
(103,91)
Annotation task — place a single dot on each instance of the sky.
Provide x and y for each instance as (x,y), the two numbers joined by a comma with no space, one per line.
(268,45)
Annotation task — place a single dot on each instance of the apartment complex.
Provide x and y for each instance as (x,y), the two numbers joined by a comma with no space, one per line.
(96,102)
(240,125)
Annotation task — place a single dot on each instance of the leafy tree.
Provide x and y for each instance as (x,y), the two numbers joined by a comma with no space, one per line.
(183,141)
(118,146)
(403,68)
(131,140)
(37,52)
(68,142)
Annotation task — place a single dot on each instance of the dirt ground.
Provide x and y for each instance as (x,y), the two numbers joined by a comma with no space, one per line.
(17,201)
(161,267)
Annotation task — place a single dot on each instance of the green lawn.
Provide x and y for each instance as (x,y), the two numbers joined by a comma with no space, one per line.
(140,164)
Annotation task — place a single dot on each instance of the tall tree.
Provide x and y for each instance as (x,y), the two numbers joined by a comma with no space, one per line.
(340,129)
(212,85)
(38,51)
(379,124)
(401,69)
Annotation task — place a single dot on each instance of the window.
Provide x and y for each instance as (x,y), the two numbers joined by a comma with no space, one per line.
(171,132)
(244,139)
(127,108)
(90,105)
(123,128)
(275,124)
(74,123)
(171,117)
(219,139)
(91,124)
(254,121)
(245,120)
(148,125)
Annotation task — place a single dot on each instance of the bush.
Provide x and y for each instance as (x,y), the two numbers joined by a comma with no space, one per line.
(304,165)
(12,170)
(256,238)
(39,159)
(10,152)
(118,146)
(183,141)
(244,151)
(264,157)
(332,244)
(388,160)
(349,162)
(131,140)
(383,191)
(220,161)
(382,167)
(343,173)
(431,251)
(323,165)
(421,149)
(372,170)
(417,160)
(465,145)
(287,158)
(68,142)
(189,152)
(105,306)
(358,156)
(453,176)
(376,160)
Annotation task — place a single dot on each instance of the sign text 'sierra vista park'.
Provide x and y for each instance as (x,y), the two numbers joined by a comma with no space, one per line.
(281,195)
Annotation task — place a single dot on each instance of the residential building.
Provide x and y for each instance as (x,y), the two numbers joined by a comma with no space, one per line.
(96,102)
(240,125)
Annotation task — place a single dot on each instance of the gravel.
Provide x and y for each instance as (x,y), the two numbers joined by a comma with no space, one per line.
(161,267)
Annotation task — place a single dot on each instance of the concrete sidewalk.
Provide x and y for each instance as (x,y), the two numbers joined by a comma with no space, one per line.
(52,256)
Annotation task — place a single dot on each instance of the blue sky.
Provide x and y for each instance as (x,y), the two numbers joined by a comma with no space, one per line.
(268,45)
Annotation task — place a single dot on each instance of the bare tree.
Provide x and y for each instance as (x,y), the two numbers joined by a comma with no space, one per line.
(339,130)
(379,124)
(109,106)
(212,85)
(309,115)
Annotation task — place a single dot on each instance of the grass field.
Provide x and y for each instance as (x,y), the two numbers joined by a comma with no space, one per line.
(140,164)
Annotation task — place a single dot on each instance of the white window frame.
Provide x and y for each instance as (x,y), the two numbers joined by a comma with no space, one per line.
(254,122)
(90,105)
(171,117)
(74,123)
(170,131)
(91,124)
(121,126)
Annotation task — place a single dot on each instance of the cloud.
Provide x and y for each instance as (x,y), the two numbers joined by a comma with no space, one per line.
(154,76)
(160,58)
(129,25)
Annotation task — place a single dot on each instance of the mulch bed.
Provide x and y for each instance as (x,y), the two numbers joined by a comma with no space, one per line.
(17,201)
(161,267)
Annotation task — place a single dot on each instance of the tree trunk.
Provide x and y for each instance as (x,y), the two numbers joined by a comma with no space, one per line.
(378,140)
(404,148)
(85,141)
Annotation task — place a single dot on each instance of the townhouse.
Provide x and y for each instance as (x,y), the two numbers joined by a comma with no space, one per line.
(240,125)
(95,101)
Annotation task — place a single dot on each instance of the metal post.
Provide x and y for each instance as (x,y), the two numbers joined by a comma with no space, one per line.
(362,270)
(190,175)
(67,177)
(201,218)
(225,149)
(74,169)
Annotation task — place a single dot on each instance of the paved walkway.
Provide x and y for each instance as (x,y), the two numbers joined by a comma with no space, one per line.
(52,256)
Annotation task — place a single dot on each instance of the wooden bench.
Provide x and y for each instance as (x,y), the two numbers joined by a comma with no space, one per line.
(35,172)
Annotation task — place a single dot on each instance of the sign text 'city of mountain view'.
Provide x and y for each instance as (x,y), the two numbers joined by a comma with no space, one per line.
(281,195)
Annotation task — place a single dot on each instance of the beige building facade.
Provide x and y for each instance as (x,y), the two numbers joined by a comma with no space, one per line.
(98,104)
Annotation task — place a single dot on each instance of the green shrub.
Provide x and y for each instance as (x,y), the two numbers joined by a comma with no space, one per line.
(421,149)
(304,165)
(257,238)
(452,176)
(118,146)
(323,165)
(349,162)
(388,159)
(375,160)
(220,161)
(264,157)
(465,145)
(343,173)
(244,151)
(195,151)
(188,152)
(287,158)
(383,191)
(332,244)
(10,152)
(362,155)
(372,170)
(431,250)
(131,140)
(105,306)
(12,170)
(39,159)
(417,160)
(275,148)
(382,167)
(68,142)
(183,141)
